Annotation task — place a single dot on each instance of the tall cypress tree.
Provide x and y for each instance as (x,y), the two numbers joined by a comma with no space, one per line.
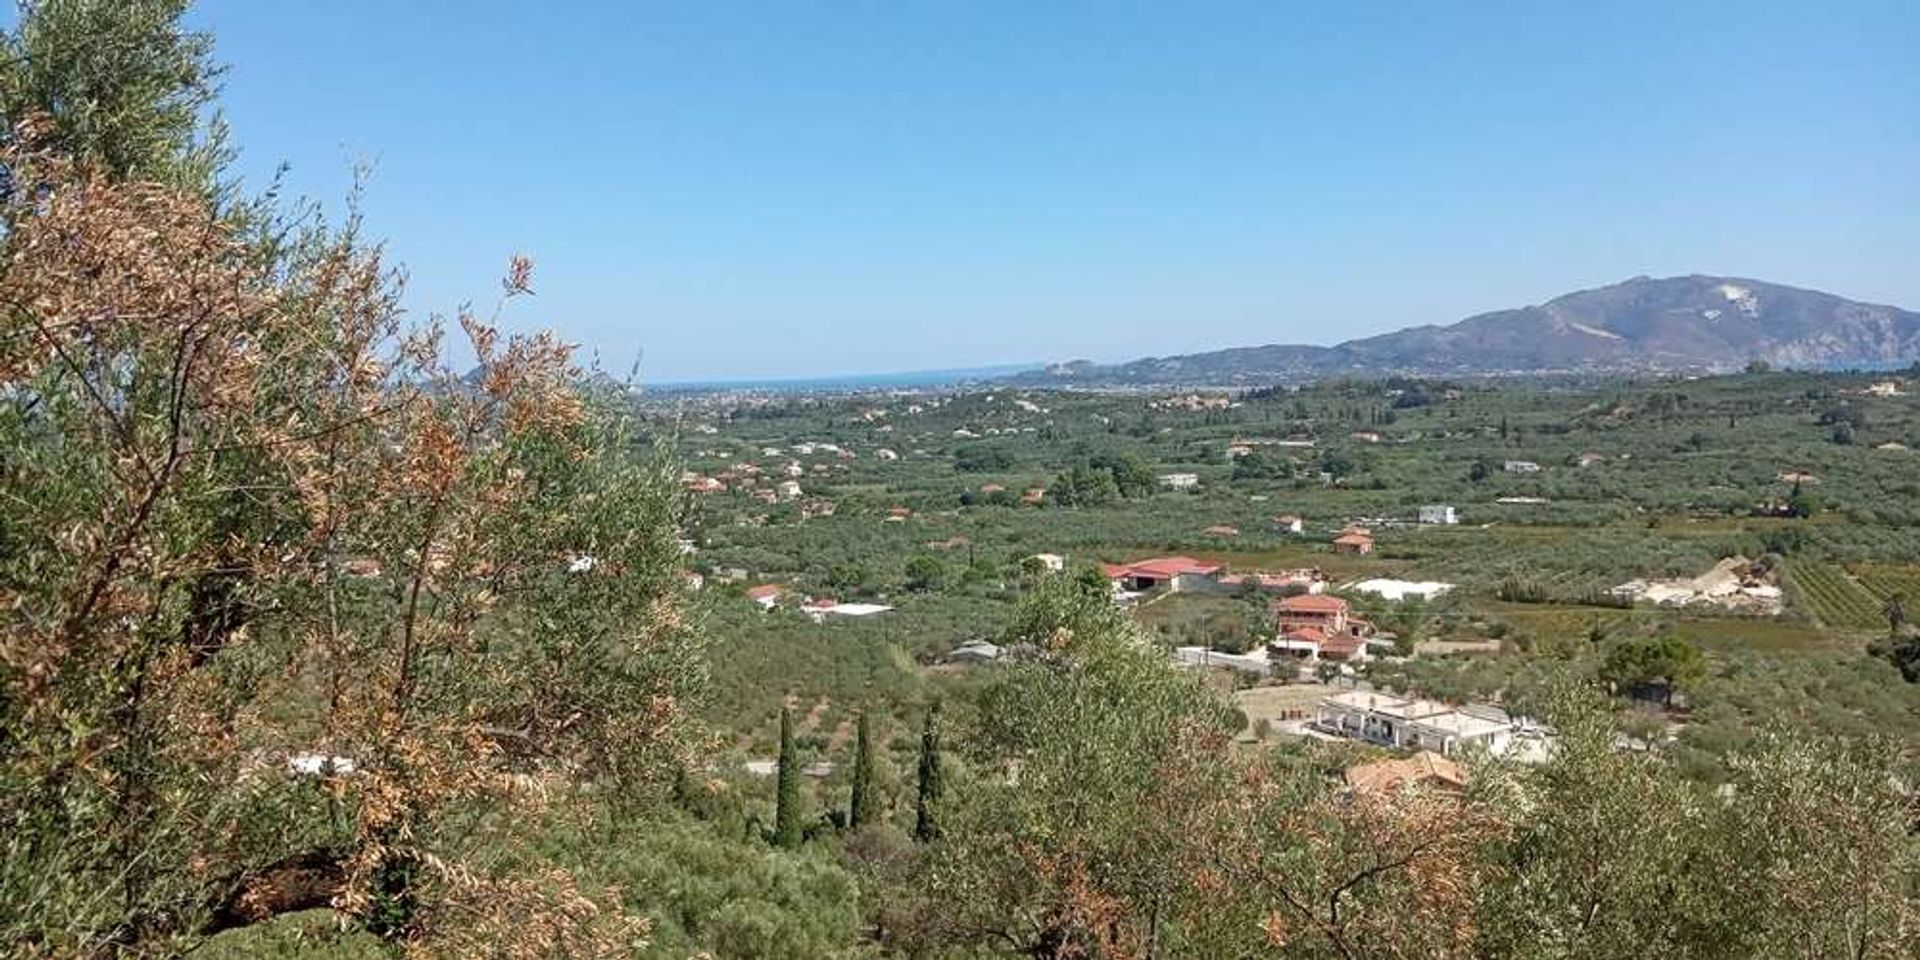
(864,808)
(924,827)
(786,814)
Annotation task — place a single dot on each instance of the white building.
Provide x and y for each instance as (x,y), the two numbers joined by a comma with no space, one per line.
(1180,481)
(1415,724)
(1521,466)
(790,490)
(1052,562)
(1438,513)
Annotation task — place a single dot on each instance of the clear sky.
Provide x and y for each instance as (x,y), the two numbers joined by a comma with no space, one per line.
(764,188)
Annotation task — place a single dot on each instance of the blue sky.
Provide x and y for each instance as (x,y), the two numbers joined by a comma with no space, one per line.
(799,189)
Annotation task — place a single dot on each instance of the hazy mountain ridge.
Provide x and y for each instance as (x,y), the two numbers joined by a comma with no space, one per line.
(1676,324)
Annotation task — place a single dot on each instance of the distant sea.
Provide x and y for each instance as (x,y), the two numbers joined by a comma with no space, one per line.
(844,383)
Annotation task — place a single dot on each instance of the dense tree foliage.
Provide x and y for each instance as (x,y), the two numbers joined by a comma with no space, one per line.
(291,600)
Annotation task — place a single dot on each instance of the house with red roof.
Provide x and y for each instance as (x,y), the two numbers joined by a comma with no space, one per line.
(1170,573)
(1314,627)
(1357,543)
(766,594)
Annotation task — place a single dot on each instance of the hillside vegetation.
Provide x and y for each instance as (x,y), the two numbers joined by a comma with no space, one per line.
(319,646)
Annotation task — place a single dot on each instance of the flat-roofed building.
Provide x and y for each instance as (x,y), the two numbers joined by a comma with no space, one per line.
(1412,723)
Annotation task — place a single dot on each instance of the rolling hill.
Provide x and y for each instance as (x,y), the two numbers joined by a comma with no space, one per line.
(1677,324)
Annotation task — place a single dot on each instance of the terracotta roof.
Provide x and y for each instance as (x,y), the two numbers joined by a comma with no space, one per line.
(1341,645)
(1425,768)
(765,591)
(1310,603)
(1308,635)
(1353,538)
(1171,567)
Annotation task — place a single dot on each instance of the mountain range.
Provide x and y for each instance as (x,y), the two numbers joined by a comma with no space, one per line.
(1694,323)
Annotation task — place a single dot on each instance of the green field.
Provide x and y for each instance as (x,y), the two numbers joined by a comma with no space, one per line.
(1833,597)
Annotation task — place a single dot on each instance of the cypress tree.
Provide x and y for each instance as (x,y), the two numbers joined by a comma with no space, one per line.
(924,827)
(864,808)
(786,814)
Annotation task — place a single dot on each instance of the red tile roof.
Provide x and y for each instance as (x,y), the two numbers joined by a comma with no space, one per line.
(1310,603)
(766,590)
(1422,769)
(1163,567)
(1341,646)
(1354,539)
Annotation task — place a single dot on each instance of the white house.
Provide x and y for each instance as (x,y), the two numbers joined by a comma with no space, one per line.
(790,490)
(1180,481)
(1052,562)
(1415,724)
(1521,466)
(1438,513)
(1289,524)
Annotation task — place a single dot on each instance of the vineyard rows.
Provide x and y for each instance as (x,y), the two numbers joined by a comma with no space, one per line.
(1832,597)
(1885,580)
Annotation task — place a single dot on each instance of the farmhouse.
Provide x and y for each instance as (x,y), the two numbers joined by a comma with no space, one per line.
(1330,615)
(1314,627)
(1438,513)
(1414,724)
(1172,573)
(1289,524)
(766,594)
(1180,481)
(1359,544)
